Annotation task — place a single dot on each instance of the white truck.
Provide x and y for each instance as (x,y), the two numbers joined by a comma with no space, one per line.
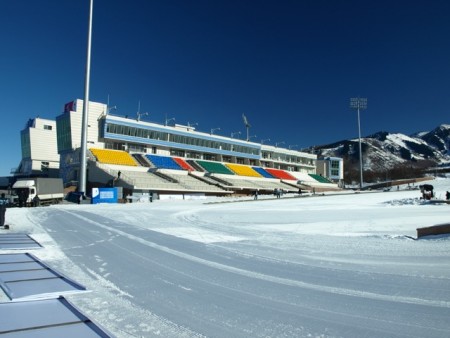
(48,190)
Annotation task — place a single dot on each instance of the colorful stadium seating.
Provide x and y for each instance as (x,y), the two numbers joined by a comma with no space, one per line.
(320,178)
(163,162)
(281,174)
(109,156)
(183,164)
(262,172)
(215,167)
(243,170)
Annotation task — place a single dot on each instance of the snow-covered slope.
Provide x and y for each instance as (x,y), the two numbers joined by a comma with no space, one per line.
(385,150)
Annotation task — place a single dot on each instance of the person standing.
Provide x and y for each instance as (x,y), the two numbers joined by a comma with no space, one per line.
(36,201)
(3,204)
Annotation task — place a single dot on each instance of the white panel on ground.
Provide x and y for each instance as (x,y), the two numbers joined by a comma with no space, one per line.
(50,318)
(17,242)
(23,276)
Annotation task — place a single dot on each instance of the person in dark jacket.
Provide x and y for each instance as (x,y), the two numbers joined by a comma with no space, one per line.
(3,205)
(36,201)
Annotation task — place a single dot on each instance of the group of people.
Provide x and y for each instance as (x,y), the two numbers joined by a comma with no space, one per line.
(278,192)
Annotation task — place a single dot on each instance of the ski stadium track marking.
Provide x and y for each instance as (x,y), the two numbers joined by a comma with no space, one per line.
(273,279)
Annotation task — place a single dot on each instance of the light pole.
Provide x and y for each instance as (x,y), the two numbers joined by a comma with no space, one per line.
(213,130)
(85,116)
(168,120)
(139,114)
(359,103)
(276,144)
(236,133)
(247,126)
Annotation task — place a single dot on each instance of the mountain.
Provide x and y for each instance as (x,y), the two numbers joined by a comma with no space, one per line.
(384,150)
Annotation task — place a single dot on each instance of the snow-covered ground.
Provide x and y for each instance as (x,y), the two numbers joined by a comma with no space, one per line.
(317,266)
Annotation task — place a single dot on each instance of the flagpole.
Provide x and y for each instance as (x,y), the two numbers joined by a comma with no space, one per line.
(84,123)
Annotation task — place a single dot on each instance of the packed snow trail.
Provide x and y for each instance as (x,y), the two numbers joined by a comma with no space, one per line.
(256,282)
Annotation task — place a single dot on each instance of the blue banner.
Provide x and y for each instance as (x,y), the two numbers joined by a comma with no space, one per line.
(104,195)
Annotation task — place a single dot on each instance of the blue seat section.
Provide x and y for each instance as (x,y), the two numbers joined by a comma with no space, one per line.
(262,172)
(163,162)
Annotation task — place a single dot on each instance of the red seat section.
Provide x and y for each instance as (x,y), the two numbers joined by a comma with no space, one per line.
(183,164)
(281,174)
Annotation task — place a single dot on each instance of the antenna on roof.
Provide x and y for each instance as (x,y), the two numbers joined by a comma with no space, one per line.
(247,126)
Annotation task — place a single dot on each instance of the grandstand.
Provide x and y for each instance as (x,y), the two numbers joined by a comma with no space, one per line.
(183,164)
(263,172)
(215,168)
(163,162)
(177,159)
(281,174)
(113,157)
(242,170)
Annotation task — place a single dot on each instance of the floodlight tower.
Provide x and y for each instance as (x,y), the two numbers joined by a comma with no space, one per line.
(359,103)
(247,126)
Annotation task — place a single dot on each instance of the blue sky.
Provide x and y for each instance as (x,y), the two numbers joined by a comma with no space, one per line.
(289,66)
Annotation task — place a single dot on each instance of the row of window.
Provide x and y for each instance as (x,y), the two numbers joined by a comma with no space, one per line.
(287,158)
(64,134)
(164,136)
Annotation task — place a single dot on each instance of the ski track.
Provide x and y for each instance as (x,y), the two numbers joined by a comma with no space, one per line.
(265,277)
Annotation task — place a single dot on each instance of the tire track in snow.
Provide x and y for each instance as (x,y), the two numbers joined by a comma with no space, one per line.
(265,277)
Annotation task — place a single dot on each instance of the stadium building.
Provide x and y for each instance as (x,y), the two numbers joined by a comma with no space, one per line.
(174,160)
(39,150)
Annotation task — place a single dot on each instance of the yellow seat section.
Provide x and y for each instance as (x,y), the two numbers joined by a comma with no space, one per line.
(243,170)
(109,156)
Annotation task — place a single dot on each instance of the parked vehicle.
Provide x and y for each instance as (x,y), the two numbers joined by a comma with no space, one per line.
(48,191)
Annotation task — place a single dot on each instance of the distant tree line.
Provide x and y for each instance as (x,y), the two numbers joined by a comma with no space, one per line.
(377,174)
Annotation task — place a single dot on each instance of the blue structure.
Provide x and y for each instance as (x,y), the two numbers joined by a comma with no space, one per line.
(104,195)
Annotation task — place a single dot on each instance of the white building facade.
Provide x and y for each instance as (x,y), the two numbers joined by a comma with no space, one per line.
(39,149)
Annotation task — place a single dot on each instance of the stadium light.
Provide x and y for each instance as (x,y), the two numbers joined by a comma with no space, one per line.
(247,126)
(139,114)
(110,109)
(250,137)
(213,130)
(359,103)
(236,133)
(168,120)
